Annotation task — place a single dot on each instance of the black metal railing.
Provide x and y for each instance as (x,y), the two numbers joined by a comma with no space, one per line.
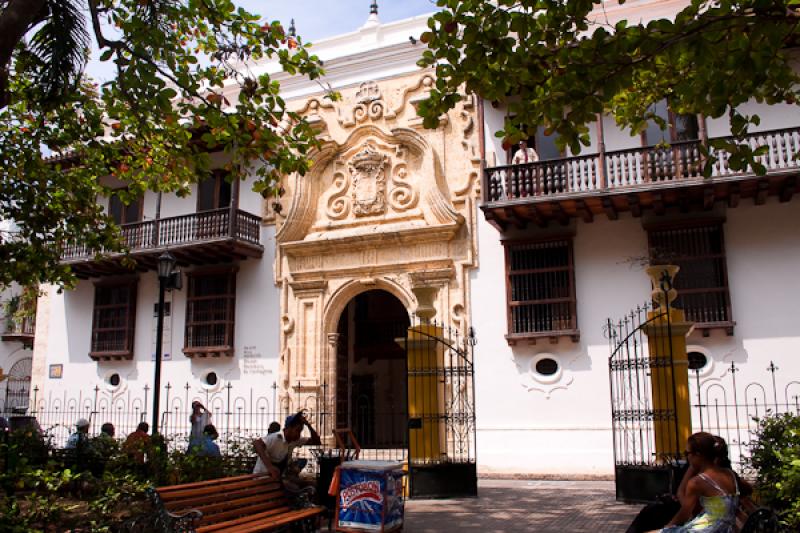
(642,396)
(636,166)
(181,230)
(730,407)
(647,414)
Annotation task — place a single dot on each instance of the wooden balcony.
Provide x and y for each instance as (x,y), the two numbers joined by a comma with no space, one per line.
(201,238)
(633,180)
(20,330)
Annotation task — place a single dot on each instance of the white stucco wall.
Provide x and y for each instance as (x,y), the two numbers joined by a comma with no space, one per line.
(563,428)
(256,334)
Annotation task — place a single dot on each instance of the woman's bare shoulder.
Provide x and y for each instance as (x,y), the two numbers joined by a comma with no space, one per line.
(722,478)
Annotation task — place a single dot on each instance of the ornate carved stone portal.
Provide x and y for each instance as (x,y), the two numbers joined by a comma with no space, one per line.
(387,205)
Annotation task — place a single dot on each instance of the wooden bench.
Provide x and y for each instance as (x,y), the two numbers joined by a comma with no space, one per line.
(240,504)
(750,518)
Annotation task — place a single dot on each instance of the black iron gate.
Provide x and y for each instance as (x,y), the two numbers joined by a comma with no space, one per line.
(18,387)
(441,411)
(643,405)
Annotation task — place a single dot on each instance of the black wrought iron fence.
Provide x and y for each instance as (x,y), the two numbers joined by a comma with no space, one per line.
(441,410)
(240,415)
(645,381)
(730,407)
(644,416)
(237,412)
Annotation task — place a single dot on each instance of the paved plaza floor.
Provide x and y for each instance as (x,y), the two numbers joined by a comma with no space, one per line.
(525,506)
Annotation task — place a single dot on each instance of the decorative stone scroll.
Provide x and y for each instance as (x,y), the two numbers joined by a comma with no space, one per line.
(339,203)
(371,104)
(402,196)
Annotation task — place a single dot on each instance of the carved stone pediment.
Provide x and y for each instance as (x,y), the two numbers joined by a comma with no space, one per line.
(375,181)
(370,179)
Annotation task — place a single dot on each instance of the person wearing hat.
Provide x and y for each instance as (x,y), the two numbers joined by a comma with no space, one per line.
(80,437)
(274,450)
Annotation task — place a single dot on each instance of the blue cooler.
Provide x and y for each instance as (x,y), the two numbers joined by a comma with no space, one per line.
(370,496)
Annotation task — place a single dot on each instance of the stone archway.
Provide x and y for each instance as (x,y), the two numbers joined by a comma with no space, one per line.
(371,369)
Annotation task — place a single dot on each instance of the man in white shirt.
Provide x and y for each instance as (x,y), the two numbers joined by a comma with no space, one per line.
(275,449)
(525,154)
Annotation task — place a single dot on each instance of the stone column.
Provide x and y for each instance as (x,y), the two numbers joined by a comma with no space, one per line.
(669,366)
(307,347)
(329,376)
(39,368)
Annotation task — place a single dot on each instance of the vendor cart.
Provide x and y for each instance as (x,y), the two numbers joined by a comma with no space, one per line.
(370,496)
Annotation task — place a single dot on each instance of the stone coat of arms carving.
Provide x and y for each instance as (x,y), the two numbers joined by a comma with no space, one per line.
(368,171)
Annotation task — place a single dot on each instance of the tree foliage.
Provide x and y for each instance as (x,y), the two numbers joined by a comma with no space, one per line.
(775,462)
(183,88)
(558,64)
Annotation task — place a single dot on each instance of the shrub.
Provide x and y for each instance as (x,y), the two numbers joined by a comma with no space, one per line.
(775,461)
(105,490)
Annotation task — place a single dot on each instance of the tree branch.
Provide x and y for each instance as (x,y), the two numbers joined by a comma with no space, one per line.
(15,20)
(102,42)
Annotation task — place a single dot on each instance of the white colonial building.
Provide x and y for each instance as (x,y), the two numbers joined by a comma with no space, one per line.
(296,301)
(17,331)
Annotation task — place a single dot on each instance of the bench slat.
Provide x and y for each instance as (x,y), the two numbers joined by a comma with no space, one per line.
(270,524)
(237,513)
(219,507)
(211,482)
(265,490)
(242,520)
(220,513)
(212,489)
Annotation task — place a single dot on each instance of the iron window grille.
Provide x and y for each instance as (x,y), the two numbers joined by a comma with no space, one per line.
(540,289)
(113,320)
(210,313)
(702,282)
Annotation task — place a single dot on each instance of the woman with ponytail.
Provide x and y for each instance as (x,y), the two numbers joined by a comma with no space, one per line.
(709,485)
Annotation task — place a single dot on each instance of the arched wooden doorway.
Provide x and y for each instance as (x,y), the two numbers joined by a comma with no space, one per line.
(371,381)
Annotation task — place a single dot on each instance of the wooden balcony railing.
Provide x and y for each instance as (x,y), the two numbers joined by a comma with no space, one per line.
(194,228)
(633,167)
(19,329)
(20,326)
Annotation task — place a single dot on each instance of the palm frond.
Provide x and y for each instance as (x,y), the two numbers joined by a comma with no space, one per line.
(60,45)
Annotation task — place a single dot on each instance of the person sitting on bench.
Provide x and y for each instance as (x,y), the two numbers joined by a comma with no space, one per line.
(274,450)
(708,496)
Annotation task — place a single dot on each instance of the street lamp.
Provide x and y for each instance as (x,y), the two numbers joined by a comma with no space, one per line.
(168,279)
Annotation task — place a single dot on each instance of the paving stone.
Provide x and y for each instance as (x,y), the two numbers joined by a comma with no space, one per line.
(519,505)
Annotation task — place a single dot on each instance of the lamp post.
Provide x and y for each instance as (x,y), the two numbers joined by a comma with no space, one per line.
(168,279)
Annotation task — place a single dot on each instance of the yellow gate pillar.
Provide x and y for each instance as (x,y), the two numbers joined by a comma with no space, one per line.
(669,366)
(425,409)
(425,353)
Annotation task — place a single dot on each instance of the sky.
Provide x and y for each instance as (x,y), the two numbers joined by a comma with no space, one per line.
(314,19)
(317,19)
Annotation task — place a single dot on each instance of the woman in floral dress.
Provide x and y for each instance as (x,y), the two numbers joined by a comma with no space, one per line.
(709,485)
